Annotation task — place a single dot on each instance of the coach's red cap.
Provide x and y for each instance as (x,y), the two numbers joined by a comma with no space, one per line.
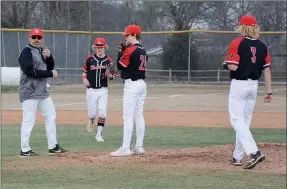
(247,20)
(36,31)
(100,42)
(132,29)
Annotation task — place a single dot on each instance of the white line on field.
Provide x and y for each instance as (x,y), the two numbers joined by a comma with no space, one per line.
(210,94)
(120,99)
(69,104)
(275,90)
(176,95)
(151,97)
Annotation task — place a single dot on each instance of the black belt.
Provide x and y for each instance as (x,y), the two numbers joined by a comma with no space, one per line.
(134,79)
(244,79)
(95,87)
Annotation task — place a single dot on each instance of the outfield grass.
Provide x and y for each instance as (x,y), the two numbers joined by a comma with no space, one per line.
(127,177)
(9,89)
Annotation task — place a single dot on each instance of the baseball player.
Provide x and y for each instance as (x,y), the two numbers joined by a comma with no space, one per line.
(132,61)
(246,58)
(37,64)
(96,71)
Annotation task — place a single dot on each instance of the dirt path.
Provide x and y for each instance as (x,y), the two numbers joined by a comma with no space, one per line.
(159,118)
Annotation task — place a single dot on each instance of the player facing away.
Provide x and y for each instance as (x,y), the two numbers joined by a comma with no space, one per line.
(37,64)
(132,61)
(246,58)
(95,77)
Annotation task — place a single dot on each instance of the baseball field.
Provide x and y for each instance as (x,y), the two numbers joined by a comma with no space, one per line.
(188,142)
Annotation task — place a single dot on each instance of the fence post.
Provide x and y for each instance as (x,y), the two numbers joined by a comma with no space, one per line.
(54,47)
(218,75)
(19,45)
(188,70)
(78,41)
(169,75)
(3,47)
(66,71)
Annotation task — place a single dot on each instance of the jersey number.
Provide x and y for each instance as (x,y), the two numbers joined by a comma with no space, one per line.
(253,51)
(142,66)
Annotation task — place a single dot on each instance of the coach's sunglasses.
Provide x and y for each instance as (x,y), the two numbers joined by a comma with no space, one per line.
(36,37)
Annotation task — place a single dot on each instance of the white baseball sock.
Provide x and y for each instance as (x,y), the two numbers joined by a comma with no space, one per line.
(100,130)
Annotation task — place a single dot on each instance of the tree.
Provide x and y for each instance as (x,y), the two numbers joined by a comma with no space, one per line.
(182,16)
(17,14)
(175,53)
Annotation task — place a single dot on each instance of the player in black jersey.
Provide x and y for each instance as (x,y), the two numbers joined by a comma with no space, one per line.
(132,62)
(246,58)
(95,78)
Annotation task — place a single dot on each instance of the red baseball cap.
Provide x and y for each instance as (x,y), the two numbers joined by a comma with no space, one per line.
(100,42)
(36,31)
(132,29)
(247,20)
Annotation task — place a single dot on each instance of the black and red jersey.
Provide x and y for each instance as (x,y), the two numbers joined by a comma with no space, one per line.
(95,67)
(251,56)
(133,62)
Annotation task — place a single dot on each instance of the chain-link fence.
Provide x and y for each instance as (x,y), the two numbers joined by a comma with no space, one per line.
(200,60)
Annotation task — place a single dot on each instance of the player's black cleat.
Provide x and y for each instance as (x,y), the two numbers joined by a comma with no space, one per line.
(254,159)
(28,153)
(236,162)
(57,150)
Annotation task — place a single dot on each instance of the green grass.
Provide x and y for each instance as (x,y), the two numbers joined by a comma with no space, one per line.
(101,176)
(106,177)
(9,89)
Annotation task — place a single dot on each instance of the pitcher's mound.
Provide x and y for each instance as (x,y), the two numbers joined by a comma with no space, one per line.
(209,158)
(215,157)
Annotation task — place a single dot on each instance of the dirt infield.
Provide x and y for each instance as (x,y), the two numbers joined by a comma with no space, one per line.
(165,105)
(154,118)
(208,158)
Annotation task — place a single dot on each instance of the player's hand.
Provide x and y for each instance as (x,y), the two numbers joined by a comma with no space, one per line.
(55,73)
(46,52)
(86,82)
(268,97)
(111,76)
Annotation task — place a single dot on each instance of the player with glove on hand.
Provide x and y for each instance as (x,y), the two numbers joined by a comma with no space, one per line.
(96,71)
(132,61)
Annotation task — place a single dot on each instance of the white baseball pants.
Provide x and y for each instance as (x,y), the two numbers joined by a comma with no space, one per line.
(47,109)
(242,98)
(133,102)
(97,100)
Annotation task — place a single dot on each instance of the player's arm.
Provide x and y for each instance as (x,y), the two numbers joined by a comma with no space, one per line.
(124,60)
(119,66)
(26,64)
(232,58)
(85,71)
(48,60)
(50,63)
(267,73)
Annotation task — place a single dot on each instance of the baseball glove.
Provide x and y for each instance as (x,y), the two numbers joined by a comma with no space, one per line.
(111,69)
(123,45)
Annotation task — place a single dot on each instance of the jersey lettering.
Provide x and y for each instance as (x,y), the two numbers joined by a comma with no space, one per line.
(253,51)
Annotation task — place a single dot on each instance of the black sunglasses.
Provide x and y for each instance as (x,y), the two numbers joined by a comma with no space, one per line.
(36,37)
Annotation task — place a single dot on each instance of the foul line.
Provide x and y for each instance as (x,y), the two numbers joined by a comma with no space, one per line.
(275,90)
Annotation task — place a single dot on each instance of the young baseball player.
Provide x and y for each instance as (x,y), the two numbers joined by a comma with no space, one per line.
(132,61)
(37,64)
(96,71)
(246,58)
